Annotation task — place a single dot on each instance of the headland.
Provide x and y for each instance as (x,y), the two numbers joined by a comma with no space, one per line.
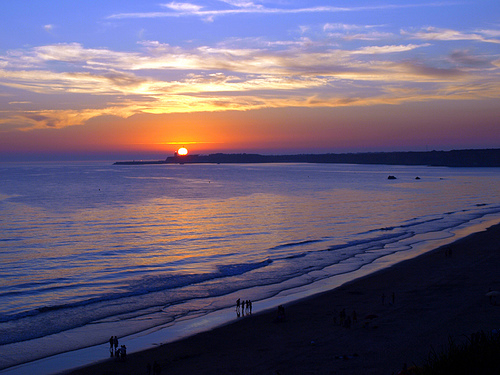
(453,158)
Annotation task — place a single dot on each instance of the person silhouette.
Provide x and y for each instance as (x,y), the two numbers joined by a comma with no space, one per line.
(111,341)
(123,352)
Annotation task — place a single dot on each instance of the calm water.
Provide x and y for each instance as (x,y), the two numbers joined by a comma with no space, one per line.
(105,249)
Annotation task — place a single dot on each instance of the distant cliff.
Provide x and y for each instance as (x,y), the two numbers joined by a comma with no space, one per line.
(454,158)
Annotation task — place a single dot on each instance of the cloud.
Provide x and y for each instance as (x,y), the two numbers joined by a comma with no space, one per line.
(183,7)
(422,69)
(368,36)
(433,33)
(304,29)
(242,3)
(20,102)
(375,50)
(245,73)
(247,7)
(28,120)
(350,32)
(347,27)
(466,58)
(490,33)
(47,82)
(108,72)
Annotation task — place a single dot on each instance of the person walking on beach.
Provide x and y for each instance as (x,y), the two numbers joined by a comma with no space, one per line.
(111,341)
(123,353)
(281,314)
(115,342)
(342,317)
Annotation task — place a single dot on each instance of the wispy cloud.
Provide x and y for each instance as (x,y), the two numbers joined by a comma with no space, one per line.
(183,7)
(242,3)
(437,34)
(247,7)
(348,27)
(375,50)
(20,102)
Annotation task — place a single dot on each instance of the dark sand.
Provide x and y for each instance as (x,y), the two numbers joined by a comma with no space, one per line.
(436,297)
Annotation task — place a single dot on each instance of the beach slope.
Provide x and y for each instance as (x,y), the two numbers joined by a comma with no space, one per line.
(402,313)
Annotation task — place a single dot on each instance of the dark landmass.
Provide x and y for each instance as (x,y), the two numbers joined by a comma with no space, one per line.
(453,158)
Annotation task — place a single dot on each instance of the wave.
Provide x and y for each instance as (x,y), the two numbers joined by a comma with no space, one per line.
(293,244)
(149,284)
(296,256)
(372,240)
(239,269)
(410,223)
(421,221)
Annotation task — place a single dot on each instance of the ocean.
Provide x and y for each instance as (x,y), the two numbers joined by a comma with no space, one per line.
(90,249)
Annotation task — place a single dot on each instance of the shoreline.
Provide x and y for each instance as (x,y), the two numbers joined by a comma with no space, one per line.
(435,297)
(91,359)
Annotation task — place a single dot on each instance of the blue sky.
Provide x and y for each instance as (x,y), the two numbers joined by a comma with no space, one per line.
(101,65)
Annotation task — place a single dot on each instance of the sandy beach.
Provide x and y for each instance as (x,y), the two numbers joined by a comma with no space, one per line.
(402,313)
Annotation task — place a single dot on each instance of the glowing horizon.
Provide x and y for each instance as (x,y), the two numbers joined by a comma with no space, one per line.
(242,76)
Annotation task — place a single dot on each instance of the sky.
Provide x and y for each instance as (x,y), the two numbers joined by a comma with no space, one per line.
(139,79)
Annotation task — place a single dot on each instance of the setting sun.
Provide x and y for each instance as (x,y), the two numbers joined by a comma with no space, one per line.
(182,151)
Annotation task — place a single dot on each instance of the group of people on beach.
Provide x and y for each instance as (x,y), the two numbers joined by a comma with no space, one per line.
(118,353)
(243,307)
(344,319)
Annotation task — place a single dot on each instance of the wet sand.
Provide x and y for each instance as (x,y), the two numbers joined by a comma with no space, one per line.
(436,296)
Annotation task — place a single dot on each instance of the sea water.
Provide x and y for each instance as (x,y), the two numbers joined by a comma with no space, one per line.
(90,250)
